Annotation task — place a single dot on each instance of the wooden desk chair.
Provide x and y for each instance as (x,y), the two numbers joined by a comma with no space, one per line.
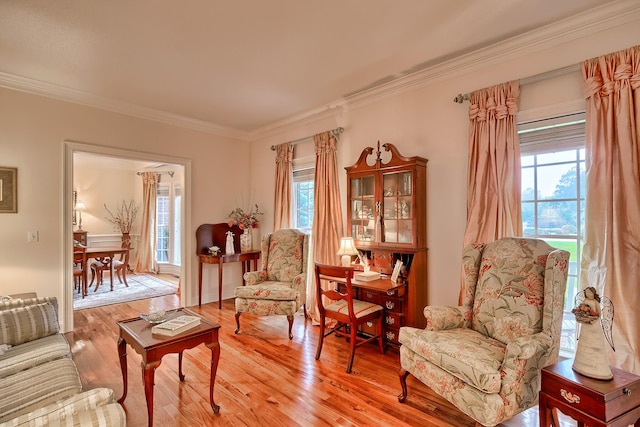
(80,269)
(119,268)
(347,311)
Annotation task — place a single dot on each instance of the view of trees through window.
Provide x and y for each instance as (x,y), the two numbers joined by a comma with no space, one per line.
(303,205)
(553,201)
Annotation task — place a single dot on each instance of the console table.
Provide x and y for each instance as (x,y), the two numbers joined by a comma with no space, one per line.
(208,235)
(244,258)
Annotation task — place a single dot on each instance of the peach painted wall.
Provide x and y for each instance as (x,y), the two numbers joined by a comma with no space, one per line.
(426,122)
(32,134)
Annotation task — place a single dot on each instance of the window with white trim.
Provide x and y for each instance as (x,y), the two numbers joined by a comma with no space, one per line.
(168,202)
(553,196)
(303,199)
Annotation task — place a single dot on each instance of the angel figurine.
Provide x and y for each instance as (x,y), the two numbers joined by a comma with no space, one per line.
(594,315)
(229,246)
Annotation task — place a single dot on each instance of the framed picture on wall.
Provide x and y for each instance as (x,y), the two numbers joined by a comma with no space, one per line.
(8,190)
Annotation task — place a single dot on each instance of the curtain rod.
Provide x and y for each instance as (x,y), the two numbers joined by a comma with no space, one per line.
(170,173)
(335,132)
(460,98)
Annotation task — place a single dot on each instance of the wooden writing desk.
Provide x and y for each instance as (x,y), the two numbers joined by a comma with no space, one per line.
(208,235)
(391,296)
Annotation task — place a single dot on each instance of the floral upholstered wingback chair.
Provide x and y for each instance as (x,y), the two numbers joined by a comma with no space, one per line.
(279,287)
(485,356)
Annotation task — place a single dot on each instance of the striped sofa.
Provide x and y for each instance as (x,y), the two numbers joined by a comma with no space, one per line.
(39,383)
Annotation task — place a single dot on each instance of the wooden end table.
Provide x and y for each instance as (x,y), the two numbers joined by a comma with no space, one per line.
(591,402)
(242,257)
(137,333)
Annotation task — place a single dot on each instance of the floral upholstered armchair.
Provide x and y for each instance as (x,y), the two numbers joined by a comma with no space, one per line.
(279,287)
(485,357)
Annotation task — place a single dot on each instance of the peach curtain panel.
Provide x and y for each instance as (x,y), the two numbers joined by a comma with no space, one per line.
(611,253)
(493,183)
(282,195)
(146,260)
(327,215)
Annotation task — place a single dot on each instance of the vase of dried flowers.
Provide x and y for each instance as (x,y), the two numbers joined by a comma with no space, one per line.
(247,221)
(122,219)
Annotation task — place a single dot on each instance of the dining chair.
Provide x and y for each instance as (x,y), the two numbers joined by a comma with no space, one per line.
(347,311)
(119,268)
(80,269)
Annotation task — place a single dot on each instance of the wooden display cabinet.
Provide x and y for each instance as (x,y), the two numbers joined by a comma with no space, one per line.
(387,218)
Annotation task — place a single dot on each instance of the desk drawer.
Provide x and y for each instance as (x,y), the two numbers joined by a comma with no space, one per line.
(393,320)
(391,334)
(368,328)
(391,304)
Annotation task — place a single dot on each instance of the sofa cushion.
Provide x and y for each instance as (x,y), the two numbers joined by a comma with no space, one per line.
(32,353)
(39,386)
(24,324)
(23,302)
(268,290)
(94,407)
(464,353)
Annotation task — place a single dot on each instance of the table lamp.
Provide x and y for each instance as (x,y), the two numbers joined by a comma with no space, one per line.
(347,248)
(79,208)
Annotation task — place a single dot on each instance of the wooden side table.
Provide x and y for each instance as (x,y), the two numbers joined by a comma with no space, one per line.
(242,257)
(593,403)
(137,333)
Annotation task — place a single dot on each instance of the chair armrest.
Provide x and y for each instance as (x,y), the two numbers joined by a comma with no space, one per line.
(440,317)
(255,277)
(299,283)
(523,360)
(529,346)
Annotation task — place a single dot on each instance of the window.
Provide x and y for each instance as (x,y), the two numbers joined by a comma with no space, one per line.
(168,202)
(162,224)
(553,196)
(303,193)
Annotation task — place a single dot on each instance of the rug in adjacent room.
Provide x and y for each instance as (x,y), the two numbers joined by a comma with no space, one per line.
(141,286)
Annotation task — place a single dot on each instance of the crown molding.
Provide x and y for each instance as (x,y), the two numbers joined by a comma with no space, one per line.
(49,90)
(598,19)
(602,18)
(301,120)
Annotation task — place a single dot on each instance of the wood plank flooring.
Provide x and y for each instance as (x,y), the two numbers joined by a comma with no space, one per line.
(263,378)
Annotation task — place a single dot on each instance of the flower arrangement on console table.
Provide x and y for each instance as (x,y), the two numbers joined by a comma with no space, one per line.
(246,221)
(123,218)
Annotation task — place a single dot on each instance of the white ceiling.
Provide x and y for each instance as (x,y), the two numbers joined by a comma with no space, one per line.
(245,64)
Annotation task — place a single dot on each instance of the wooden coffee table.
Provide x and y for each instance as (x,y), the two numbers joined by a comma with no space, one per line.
(137,333)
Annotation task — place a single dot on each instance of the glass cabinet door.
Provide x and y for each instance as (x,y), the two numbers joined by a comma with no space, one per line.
(397,209)
(363,208)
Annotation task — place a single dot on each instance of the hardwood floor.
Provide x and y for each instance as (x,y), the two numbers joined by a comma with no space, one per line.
(263,378)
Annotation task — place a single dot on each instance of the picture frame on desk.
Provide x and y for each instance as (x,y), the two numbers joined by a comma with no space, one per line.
(396,271)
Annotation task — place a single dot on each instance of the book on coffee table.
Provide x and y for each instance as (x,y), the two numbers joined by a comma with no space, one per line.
(175,326)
